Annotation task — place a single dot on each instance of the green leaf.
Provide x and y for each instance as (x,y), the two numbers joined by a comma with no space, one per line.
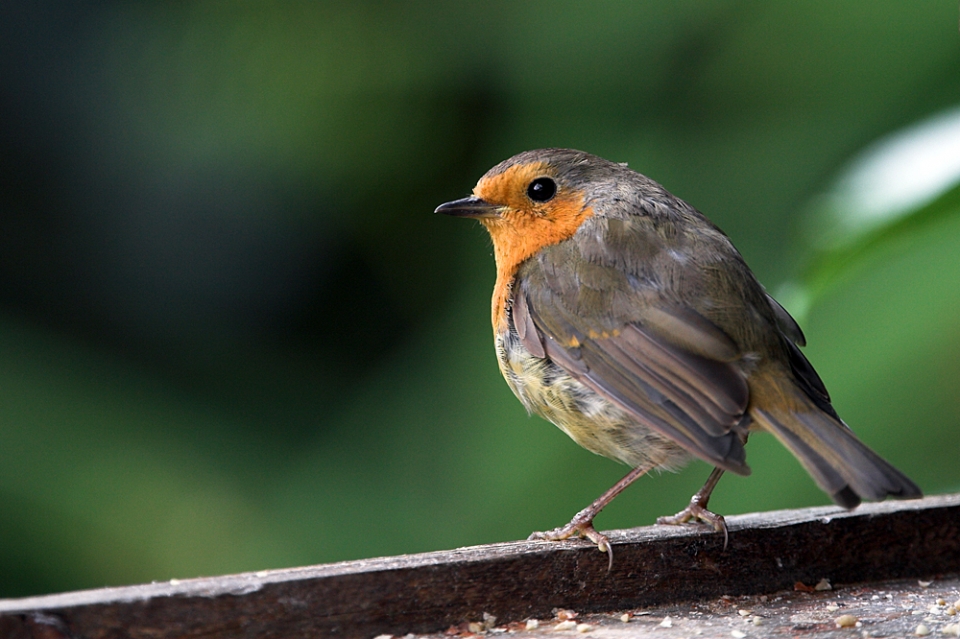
(829,267)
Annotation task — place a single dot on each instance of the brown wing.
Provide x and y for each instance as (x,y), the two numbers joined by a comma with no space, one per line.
(667,365)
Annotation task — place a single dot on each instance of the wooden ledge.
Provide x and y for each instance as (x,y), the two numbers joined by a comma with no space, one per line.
(428,592)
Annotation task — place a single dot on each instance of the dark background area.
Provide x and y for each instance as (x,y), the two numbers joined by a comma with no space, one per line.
(233,335)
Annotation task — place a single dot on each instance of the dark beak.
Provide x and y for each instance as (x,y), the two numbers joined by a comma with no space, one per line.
(469,207)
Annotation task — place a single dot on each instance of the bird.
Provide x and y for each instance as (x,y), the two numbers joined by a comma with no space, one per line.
(625,317)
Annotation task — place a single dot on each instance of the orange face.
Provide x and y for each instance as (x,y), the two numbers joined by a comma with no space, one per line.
(529,217)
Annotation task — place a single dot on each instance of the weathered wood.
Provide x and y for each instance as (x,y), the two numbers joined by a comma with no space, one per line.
(899,608)
(767,552)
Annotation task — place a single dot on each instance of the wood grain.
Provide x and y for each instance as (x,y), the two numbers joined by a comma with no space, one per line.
(428,592)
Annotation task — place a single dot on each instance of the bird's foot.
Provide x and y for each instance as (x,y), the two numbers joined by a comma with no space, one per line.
(581,526)
(697,511)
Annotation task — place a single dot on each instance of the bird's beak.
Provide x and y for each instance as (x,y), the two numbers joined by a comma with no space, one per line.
(469,207)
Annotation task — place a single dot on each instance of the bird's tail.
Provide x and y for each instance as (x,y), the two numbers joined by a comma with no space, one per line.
(840,463)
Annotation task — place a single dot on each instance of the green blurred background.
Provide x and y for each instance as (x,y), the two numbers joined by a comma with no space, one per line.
(233,335)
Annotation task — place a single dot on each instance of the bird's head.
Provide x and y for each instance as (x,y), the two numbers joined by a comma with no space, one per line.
(532,200)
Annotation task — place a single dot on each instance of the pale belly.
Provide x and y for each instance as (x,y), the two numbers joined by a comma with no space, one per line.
(590,419)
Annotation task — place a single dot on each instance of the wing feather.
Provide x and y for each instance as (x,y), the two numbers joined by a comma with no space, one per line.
(694,400)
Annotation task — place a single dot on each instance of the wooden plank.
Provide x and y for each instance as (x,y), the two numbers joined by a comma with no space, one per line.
(900,608)
(767,552)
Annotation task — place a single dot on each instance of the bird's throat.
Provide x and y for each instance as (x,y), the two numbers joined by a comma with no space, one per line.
(518,235)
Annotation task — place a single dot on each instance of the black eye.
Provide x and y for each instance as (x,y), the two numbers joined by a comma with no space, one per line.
(542,189)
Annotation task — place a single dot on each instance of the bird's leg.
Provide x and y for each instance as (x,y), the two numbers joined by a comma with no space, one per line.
(698,508)
(582,523)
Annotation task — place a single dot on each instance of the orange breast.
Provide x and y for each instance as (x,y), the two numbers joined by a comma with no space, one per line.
(524,227)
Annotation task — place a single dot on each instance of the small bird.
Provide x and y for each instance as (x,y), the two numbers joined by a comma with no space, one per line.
(628,319)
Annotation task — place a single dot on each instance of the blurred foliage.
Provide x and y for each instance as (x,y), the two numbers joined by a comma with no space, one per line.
(831,267)
(234,337)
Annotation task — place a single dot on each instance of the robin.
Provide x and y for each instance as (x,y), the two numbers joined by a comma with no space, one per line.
(628,319)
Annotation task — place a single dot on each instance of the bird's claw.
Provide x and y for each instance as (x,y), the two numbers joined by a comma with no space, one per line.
(579,528)
(697,511)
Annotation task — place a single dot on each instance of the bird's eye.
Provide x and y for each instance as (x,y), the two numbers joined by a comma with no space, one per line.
(542,189)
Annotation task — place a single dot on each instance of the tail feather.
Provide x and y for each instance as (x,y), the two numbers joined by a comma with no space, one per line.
(842,465)
(828,479)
